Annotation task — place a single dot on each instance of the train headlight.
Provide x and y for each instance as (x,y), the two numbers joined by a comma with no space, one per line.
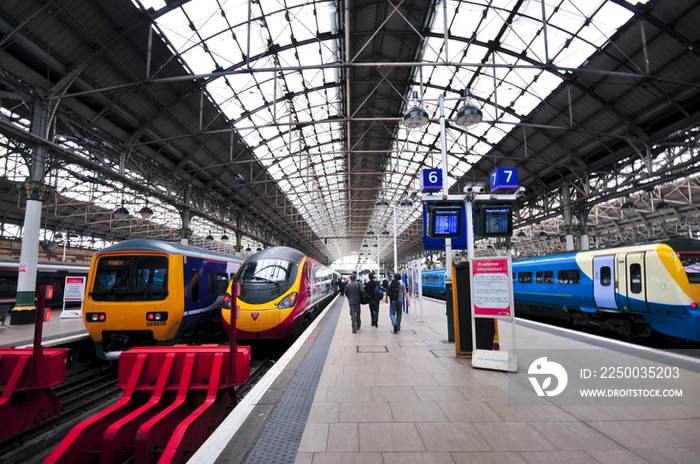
(159,316)
(95,317)
(288,301)
(227,302)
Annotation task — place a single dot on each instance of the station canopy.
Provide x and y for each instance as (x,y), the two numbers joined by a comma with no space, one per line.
(583,97)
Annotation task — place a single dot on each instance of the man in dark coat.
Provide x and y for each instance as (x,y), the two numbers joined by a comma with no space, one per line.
(373,303)
(352,293)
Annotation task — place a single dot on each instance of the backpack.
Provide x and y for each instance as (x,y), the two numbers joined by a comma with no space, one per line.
(394,290)
(378,292)
(364,297)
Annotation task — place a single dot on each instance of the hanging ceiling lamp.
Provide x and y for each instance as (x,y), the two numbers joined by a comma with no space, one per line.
(121,212)
(416,117)
(210,237)
(146,212)
(469,115)
(628,207)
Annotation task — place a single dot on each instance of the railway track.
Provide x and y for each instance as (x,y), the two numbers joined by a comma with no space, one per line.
(81,395)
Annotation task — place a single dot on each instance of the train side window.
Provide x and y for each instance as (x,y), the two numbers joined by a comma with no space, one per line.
(606,276)
(221,283)
(572,276)
(636,278)
(8,285)
(194,285)
(211,284)
(524,277)
(545,277)
(514,277)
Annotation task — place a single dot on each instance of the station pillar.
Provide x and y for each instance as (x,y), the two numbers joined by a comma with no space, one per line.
(449,306)
(185,232)
(24,311)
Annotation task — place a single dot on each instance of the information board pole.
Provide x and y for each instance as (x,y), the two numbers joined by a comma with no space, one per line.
(485,358)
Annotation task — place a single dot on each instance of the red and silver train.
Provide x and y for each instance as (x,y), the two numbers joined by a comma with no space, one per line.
(281,290)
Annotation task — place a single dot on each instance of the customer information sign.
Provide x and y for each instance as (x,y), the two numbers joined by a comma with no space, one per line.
(492,296)
(492,287)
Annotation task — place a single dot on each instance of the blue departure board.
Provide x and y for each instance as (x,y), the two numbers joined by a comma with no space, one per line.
(445,222)
(497,221)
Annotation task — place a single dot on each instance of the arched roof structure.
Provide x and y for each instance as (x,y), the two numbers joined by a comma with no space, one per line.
(280,120)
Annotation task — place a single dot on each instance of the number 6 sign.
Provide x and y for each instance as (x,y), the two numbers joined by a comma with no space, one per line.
(431,180)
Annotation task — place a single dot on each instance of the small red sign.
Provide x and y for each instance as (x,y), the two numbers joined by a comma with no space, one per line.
(254,316)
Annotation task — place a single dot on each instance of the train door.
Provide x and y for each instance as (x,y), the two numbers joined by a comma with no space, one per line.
(603,281)
(621,283)
(636,283)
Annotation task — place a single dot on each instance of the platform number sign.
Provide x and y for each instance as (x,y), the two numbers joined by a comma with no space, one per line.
(504,178)
(431,180)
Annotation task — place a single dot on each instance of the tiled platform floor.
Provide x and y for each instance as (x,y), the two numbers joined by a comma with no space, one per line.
(56,328)
(405,398)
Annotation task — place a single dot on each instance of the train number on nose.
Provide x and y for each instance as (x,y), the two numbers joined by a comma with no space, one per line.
(156,323)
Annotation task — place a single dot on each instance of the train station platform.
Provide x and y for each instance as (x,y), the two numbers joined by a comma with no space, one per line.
(55,332)
(380,397)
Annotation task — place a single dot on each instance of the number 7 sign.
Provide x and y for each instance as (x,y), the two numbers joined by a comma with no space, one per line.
(504,178)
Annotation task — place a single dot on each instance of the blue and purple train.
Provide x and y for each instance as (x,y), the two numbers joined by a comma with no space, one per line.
(148,292)
(634,290)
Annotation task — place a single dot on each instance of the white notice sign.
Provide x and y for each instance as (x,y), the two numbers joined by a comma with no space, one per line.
(74,290)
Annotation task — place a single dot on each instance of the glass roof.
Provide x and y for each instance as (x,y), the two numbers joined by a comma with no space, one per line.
(286,108)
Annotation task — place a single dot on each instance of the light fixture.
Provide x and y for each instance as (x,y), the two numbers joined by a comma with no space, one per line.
(385,232)
(664,208)
(224,237)
(210,237)
(49,246)
(469,115)
(58,236)
(406,203)
(521,234)
(416,117)
(382,202)
(259,248)
(371,232)
(543,236)
(146,212)
(121,212)
(247,249)
(628,207)
(365,245)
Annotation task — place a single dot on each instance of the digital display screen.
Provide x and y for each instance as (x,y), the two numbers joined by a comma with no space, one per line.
(496,221)
(446,222)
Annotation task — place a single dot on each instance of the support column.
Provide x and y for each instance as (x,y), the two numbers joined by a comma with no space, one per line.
(567,228)
(185,232)
(24,311)
(583,218)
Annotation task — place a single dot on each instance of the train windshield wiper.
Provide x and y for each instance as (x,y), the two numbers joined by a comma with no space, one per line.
(266,280)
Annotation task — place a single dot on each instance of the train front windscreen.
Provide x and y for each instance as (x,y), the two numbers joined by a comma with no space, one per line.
(131,278)
(265,279)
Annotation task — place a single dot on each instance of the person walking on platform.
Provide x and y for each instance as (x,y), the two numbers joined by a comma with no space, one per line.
(352,293)
(396,292)
(341,286)
(370,289)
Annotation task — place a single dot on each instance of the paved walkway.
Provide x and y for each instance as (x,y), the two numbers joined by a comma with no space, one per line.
(405,398)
